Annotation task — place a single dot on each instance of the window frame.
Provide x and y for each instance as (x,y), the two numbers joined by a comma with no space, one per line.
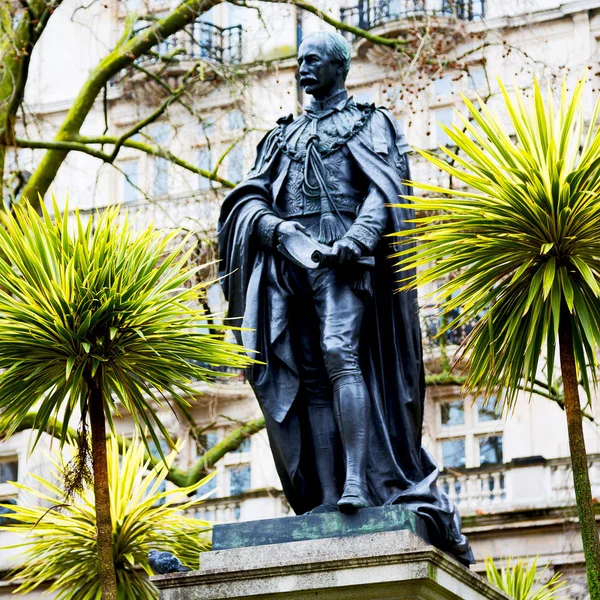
(7,490)
(472,430)
(225,464)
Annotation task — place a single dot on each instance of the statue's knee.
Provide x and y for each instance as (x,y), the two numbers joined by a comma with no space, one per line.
(339,361)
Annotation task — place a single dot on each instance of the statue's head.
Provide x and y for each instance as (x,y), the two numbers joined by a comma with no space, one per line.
(324,62)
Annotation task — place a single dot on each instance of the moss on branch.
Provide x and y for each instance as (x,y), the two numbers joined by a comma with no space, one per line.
(231,442)
(82,144)
(176,475)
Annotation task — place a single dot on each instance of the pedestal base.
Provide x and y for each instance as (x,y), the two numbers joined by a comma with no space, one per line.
(316,526)
(393,565)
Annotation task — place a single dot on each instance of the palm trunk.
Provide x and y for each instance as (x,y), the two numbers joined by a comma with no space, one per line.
(581,477)
(106,564)
(2,174)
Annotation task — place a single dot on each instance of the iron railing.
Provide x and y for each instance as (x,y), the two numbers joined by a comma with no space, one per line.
(368,14)
(432,323)
(516,485)
(199,40)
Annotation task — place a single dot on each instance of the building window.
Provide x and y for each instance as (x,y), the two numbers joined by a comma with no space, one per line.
(443,116)
(235,120)
(236,164)
(469,433)
(9,470)
(209,440)
(488,409)
(443,86)
(160,185)
(490,450)
(161,177)
(234,472)
(206,128)
(131,180)
(452,413)
(204,163)
(209,486)
(239,479)
(165,449)
(453,453)
(477,78)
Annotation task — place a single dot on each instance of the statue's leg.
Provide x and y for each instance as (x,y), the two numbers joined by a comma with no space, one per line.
(340,313)
(319,405)
(325,444)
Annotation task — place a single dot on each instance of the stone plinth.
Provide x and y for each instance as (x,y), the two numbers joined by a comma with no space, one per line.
(317,526)
(392,565)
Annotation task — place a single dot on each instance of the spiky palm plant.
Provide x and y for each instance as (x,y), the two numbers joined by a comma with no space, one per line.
(523,248)
(521,582)
(91,315)
(60,547)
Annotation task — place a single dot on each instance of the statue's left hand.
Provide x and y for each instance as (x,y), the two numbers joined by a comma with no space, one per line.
(346,250)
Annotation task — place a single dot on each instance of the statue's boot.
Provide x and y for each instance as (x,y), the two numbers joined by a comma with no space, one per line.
(351,398)
(326,447)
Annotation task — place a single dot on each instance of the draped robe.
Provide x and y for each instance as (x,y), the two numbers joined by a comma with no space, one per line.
(399,469)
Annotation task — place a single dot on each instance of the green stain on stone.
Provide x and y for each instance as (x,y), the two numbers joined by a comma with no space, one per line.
(318,526)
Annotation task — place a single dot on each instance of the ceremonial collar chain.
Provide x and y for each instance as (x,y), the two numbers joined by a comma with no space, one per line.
(337,102)
(366,110)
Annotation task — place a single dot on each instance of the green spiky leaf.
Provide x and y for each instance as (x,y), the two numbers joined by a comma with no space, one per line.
(99,301)
(59,546)
(519,240)
(522,582)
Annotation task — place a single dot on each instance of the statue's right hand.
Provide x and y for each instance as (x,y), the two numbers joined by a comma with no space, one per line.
(288,227)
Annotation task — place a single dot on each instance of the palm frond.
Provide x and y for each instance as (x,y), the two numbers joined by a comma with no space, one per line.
(517,247)
(59,545)
(521,582)
(96,300)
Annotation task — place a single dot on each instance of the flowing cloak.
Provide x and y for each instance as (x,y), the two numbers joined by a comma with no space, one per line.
(399,469)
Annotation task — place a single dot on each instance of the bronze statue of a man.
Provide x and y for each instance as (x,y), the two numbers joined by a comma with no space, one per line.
(307,275)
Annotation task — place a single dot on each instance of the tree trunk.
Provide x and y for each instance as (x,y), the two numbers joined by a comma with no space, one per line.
(581,477)
(14,65)
(2,174)
(106,563)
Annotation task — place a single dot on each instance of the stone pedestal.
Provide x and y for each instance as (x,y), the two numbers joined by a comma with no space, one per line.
(390,565)
(316,526)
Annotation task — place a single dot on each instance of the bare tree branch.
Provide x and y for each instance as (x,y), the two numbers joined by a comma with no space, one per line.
(82,144)
(357,31)
(151,118)
(178,476)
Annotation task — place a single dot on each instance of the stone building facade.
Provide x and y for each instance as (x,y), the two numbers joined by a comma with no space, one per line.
(508,473)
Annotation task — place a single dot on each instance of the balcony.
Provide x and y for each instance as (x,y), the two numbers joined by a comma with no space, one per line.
(399,19)
(198,41)
(431,323)
(216,46)
(252,505)
(369,14)
(534,483)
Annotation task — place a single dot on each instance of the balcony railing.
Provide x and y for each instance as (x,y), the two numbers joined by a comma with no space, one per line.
(368,14)
(536,483)
(254,504)
(432,323)
(200,40)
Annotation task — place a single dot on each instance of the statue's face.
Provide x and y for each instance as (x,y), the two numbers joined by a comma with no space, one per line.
(320,75)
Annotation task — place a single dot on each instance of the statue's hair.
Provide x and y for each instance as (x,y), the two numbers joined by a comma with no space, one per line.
(336,45)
